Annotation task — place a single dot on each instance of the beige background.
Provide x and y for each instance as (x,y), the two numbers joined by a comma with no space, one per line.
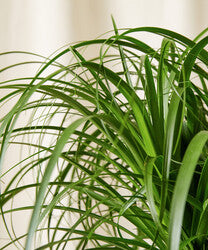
(45,25)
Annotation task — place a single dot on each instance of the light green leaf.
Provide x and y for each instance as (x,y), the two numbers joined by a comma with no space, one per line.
(182,186)
(49,169)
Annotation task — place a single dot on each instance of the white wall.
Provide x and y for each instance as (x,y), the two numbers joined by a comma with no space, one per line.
(45,25)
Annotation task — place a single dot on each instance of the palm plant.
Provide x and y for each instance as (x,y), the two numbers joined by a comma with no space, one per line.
(117,144)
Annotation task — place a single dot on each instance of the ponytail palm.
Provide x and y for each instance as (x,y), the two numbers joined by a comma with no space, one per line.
(117,154)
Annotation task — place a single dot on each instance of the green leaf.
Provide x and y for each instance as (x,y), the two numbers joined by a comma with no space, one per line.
(202,230)
(172,35)
(163,84)
(168,147)
(190,59)
(152,101)
(133,99)
(182,187)
(47,174)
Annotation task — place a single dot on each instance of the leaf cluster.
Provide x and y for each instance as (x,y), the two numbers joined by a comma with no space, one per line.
(116,145)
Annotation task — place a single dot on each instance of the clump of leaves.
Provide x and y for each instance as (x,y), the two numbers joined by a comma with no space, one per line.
(115,149)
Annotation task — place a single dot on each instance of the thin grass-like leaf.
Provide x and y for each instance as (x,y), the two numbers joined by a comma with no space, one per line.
(131,171)
(54,157)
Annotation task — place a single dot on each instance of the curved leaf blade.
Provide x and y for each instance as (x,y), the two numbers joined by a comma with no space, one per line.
(182,186)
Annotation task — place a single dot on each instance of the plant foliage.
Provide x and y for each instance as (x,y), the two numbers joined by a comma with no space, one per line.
(114,153)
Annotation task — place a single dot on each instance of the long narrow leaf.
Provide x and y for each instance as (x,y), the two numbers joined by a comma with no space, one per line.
(182,186)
